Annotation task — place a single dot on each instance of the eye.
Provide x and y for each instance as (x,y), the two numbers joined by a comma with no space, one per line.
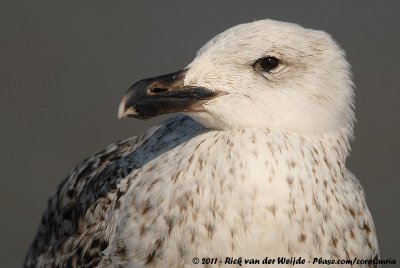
(267,64)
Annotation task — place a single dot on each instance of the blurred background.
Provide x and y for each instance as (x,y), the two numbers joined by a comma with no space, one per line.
(65,65)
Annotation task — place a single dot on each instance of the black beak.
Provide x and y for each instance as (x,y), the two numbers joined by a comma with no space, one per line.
(162,95)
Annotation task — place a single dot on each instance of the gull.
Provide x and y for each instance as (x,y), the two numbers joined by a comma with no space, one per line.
(253,167)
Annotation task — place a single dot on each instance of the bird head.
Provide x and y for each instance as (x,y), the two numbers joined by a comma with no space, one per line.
(264,74)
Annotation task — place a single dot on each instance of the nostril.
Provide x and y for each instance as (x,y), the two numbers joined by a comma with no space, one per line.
(158,89)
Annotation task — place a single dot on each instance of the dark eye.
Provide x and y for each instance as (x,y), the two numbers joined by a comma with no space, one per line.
(267,64)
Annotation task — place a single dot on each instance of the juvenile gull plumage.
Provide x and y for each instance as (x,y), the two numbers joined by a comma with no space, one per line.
(255,169)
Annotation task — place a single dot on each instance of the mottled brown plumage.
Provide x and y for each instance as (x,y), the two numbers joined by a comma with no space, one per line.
(256,170)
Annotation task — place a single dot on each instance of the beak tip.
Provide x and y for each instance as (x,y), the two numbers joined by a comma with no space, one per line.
(121,109)
(124,111)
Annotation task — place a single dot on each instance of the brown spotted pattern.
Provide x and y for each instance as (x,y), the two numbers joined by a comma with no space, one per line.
(181,191)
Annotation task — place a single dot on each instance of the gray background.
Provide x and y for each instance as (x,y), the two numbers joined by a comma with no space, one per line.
(65,65)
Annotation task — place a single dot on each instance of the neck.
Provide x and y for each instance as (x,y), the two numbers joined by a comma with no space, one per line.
(327,147)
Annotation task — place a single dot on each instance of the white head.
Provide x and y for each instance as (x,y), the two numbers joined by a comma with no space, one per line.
(310,91)
(264,74)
